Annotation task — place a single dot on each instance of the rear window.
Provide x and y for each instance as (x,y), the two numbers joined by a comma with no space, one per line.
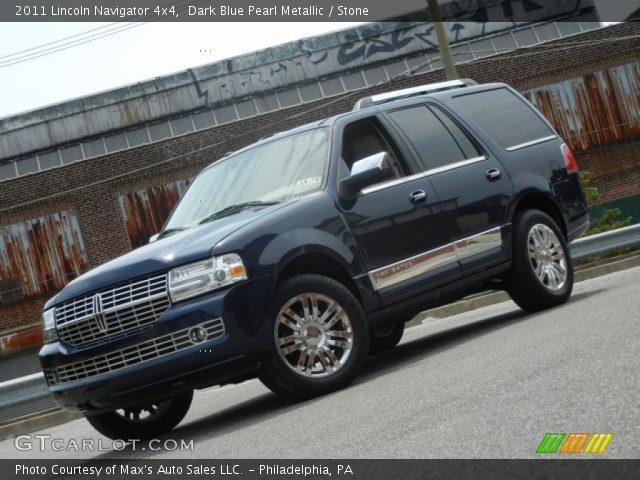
(504,116)
(437,139)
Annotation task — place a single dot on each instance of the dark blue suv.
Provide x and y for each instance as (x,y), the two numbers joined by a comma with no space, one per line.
(295,257)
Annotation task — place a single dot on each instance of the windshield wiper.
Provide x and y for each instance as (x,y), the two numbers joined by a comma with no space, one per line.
(170,231)
(231,209)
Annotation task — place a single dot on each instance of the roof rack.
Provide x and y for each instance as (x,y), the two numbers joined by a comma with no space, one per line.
(412,92)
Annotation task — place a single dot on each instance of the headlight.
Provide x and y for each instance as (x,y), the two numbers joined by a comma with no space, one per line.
(196,278)
(49,332)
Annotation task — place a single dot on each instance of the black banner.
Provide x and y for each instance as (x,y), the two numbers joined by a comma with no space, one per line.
(323,469)
(310,10)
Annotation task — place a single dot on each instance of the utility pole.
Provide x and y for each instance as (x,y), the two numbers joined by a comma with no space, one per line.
(443,41)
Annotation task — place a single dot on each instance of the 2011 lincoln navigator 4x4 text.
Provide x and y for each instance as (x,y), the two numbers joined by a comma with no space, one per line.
(294,258)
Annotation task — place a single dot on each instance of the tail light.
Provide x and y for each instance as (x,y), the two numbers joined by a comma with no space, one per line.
(569,159)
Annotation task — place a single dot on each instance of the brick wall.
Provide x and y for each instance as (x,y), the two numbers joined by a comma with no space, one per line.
(91,187)
(615,170)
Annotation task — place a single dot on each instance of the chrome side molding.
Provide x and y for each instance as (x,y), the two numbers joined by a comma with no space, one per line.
(436,258)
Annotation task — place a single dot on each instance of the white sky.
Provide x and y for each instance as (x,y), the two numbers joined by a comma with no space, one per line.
(140,53)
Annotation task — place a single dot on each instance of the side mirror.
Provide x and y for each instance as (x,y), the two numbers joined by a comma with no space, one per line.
(368,171)
(153,238)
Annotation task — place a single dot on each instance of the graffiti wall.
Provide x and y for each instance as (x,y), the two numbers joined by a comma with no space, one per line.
(593,110)
(40,255)
(145,211)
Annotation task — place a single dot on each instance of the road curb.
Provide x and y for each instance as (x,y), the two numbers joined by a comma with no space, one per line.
(484,300)
(37,422)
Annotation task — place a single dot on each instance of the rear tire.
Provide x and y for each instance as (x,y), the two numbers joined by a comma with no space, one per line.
(162,417)
(386,337)
(320,339)
(541,274)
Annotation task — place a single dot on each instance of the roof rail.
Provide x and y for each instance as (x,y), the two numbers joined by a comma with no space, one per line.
(412,92)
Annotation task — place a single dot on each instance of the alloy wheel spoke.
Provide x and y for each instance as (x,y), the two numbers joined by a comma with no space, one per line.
(291,338)
(340,334)
(333,320)
(310,362)
(553,280)
(559,270)
(314,308)
(339,343)
(334,360)
(333,306)
(324,359)
(291,319)
(540,272)
(291,348)
(306,310)
(302,360)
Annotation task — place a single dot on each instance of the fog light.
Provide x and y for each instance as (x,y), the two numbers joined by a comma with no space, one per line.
(197,335)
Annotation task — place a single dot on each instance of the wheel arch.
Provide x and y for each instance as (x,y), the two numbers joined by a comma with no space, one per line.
(320,262)
(535,199)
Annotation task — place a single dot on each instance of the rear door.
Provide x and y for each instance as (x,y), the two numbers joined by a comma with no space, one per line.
(473,187)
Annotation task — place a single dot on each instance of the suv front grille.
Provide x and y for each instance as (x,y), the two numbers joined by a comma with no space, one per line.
(94,318)
(132,355)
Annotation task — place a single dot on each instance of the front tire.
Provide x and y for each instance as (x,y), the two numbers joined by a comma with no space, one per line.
(541,274)
(320,338)
(143,421)
(386,337)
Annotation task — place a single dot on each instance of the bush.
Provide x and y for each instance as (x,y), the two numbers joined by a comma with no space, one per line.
(610,219)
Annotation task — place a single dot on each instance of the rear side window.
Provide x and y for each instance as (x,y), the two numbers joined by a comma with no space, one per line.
(436,138)
(504,116)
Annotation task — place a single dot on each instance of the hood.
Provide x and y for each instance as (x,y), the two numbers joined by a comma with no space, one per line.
(157,257)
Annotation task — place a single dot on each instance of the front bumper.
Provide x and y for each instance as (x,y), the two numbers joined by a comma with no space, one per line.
(164,360)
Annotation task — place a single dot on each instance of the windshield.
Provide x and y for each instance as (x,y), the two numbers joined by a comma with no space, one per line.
(270,173)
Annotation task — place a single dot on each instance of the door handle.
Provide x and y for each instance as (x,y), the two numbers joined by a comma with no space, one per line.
(493,174)
(418,196)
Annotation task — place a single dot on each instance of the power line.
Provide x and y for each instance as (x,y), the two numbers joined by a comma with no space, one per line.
(57,46)
(57,41)
(68,45)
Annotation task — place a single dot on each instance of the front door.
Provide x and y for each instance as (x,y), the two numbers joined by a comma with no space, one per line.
(395,223)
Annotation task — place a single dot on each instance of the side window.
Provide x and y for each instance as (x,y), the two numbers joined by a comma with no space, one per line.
(504,116)
(436,138)
(468,148)
(364,138)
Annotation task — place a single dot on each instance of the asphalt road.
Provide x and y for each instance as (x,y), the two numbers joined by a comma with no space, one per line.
(485,384)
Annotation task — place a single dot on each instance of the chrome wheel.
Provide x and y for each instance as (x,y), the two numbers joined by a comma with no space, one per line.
(547,257)
(313,335)
(144,413)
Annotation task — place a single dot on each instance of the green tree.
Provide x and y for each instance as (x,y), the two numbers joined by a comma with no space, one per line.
(610,219)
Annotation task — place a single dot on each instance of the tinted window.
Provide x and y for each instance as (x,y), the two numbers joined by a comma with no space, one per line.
(468,149)
(437,144)
(504,116)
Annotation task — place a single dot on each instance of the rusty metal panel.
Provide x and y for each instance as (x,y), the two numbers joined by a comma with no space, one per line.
(40,255)
(595,109)
(145,211)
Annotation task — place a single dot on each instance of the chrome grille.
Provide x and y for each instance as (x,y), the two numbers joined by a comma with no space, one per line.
(94,318)
(133,355)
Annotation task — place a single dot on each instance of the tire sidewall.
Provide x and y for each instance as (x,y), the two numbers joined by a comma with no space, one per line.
(114,426)
(523,264)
